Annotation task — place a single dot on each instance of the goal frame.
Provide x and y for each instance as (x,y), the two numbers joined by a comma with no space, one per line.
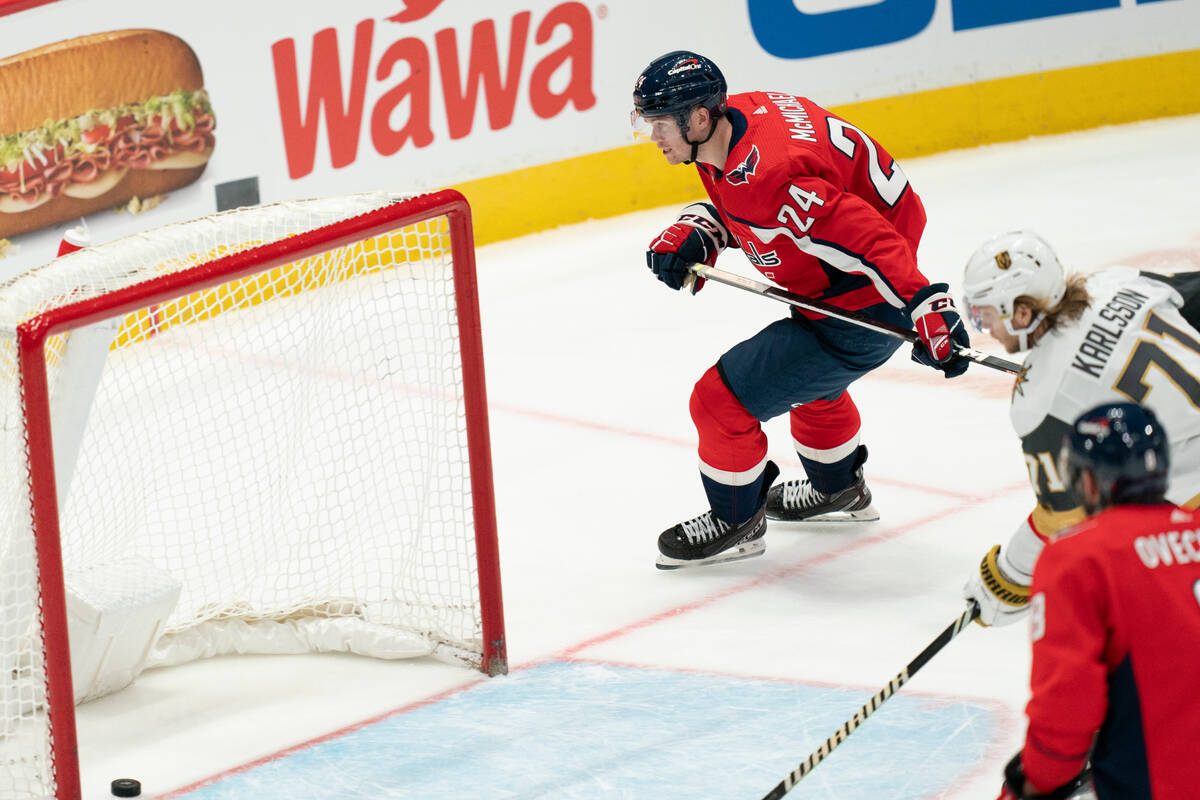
(31,337)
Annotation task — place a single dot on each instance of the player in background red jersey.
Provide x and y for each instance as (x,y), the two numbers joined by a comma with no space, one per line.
(1113,335)
(1115,624)
(821,209)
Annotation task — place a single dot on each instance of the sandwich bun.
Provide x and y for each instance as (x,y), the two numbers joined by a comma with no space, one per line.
(136,183)
(11,206)
(74,82)
(100,70)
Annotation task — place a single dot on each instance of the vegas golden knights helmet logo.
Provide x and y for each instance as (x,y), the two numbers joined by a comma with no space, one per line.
(1003,259)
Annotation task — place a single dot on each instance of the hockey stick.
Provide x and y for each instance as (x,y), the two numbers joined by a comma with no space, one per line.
(872,705)
(862,320)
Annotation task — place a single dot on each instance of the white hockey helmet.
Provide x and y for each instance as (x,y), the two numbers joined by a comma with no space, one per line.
(1009,266)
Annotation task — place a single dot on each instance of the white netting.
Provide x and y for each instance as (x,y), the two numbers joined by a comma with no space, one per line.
(290,446)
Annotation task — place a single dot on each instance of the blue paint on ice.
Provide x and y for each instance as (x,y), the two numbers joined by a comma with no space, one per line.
(578,730)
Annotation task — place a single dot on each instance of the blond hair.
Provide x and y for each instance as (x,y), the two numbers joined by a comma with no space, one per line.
(1074,302)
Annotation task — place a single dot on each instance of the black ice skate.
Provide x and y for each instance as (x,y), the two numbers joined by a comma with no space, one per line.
(707,539)
(800,501)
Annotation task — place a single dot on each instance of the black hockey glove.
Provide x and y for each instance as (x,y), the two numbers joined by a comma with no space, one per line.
(1015,784)
(697,237)
(940,329)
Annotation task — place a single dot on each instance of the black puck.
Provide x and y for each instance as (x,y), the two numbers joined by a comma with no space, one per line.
(126,787)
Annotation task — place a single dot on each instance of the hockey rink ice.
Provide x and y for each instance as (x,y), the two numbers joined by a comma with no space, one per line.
(631,682)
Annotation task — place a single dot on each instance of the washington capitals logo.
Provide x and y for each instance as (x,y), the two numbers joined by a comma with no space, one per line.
(767,259)
(742,172)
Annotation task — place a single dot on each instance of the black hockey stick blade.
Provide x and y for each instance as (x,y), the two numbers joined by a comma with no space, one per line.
(862,320)
(872,705)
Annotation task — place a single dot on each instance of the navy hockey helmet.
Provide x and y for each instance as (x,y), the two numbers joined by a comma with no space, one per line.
(674,84)
(1125,448)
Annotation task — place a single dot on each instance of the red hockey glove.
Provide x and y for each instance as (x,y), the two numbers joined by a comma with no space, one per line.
(941,330)
(697,237)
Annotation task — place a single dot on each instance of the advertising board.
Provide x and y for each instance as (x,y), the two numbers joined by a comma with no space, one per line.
(525,105)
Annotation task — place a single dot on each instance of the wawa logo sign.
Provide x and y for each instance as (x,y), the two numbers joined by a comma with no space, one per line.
(403,65)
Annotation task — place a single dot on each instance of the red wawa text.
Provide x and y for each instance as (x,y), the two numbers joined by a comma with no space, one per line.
(500,82)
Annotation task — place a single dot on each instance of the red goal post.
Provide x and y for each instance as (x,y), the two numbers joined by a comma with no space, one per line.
(379,294)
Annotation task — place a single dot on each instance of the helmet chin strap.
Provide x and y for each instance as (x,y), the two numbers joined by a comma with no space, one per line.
(712,128)
(1023,335)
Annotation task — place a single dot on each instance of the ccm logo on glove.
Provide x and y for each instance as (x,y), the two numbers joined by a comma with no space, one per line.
(697,237)
(939,329)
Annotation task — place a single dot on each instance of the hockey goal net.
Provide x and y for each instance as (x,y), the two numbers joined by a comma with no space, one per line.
(272,417)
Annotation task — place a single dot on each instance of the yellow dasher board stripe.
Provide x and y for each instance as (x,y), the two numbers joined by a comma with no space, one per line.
(403,246)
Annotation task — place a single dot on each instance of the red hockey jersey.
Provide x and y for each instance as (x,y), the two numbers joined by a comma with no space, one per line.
(1115,624)
(816,204)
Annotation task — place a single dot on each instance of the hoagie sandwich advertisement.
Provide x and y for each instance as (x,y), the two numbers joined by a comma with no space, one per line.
(71,148)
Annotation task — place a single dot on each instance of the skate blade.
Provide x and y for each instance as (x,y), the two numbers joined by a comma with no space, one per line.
(868,514)
(739,553)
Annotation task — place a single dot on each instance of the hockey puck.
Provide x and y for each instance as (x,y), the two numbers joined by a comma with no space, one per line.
(126,787)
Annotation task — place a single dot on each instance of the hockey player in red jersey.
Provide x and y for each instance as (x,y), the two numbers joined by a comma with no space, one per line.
(821,209)
(1115,624)
(1114,335)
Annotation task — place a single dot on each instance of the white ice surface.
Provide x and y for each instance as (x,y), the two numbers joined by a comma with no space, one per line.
(589,366)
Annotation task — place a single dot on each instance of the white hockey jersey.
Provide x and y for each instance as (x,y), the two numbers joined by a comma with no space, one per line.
(1132,344)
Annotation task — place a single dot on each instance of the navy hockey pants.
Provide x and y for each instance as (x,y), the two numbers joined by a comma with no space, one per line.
(798,360)
(793,365)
